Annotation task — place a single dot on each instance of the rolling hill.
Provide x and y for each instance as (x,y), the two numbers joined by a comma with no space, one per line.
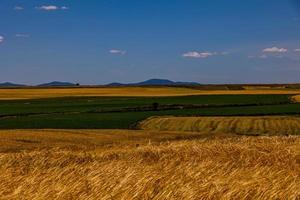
(9,84)
(56,83)
(153,82)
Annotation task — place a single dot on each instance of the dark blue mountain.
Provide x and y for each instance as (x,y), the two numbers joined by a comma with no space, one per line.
(57,84)
(8,84)
(154,82)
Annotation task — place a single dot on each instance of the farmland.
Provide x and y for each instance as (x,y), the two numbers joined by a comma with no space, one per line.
(14,141)
(296,98)
(149,100)
(126,112)
(238,125)
(164,143)
(62,164)
(37,93)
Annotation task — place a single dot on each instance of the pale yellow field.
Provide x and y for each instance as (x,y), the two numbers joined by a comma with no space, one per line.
(274,125)
(296,98)
(31,93)
(120,164)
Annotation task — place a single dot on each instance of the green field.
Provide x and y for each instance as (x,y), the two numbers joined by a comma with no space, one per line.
(126,112)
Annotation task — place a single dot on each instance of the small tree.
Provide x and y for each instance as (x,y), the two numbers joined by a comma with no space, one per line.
(155,106)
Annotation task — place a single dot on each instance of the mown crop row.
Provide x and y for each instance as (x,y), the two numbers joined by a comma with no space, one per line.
(271,125)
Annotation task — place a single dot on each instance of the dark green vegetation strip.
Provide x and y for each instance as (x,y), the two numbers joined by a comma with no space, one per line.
(112,112)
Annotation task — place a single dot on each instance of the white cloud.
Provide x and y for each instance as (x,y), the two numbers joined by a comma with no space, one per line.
(117,51)
(51,8)
(297,50)
(1,38)
(275,50)
(195,54)
(64,8)
(21,35)
(18,8)
(48,8)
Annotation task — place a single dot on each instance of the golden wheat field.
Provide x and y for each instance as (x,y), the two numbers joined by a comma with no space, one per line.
(12,141)
(296,98)
(32,93)
(94,164)
(269,125)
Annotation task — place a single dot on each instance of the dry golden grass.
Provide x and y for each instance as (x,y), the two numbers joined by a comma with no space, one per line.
(12,141)
(274,125)
(216,168)
(296,98)
(31,93)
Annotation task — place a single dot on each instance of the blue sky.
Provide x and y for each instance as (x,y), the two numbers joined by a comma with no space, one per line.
(101,41)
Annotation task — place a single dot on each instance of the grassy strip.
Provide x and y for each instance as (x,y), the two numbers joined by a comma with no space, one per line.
(125,120)
(89,104)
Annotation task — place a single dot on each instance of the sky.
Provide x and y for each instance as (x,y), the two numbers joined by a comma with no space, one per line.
(103,41)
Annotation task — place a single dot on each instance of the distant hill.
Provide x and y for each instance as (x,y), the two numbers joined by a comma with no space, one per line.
(57,83)
(153,82)
(8,84)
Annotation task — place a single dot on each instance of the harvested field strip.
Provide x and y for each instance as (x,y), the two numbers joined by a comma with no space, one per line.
(233,168)
(275,125)
(296,98)
(36,93)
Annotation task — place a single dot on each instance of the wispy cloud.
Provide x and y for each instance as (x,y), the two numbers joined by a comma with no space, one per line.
(297,50)
(117,51)
(275,50)
(18,8)
(1,38)
(64,8)
(224,53)
(195,54)
(21,35)
(263,56)
(51,8)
